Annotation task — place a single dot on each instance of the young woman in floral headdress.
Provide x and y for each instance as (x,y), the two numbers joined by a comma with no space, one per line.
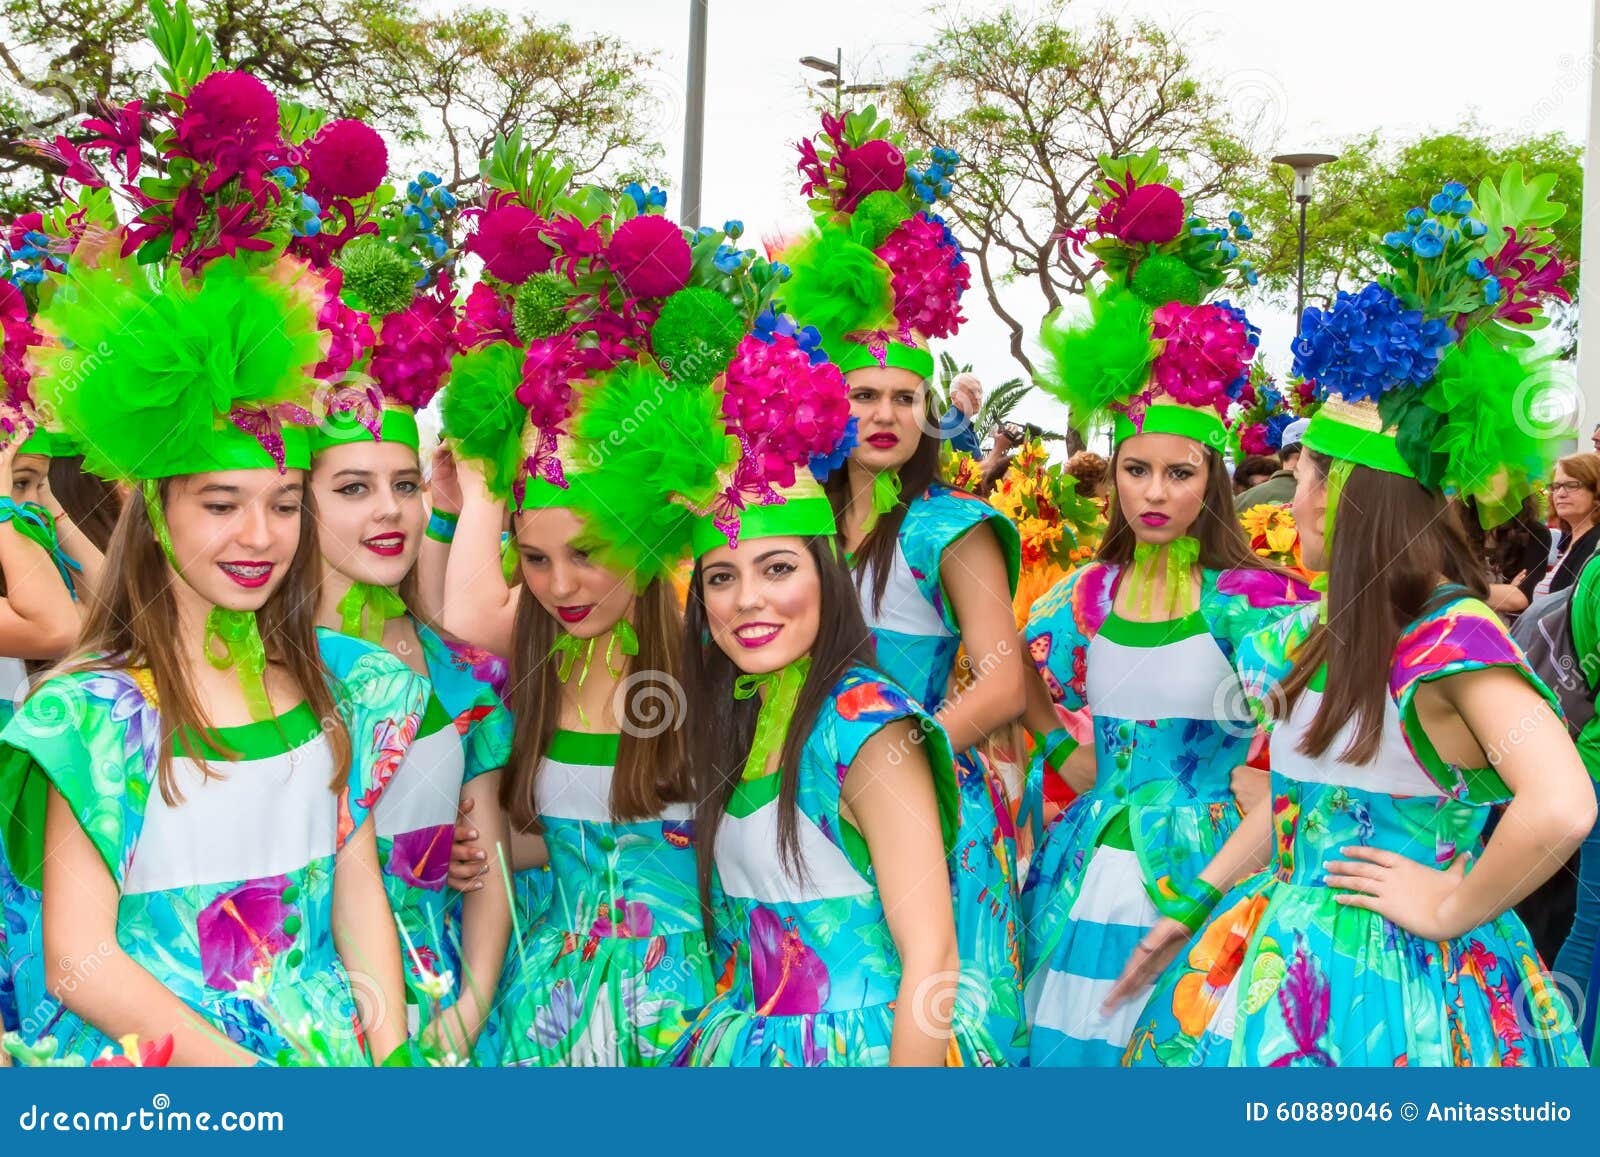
(1147,636)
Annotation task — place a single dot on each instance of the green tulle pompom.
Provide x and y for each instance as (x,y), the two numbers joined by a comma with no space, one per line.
(1492,444)
(878,215)
(837,285)
(150,364)
(1101,359)
(1161,278)
(379,278)
(658,449)
(482,416)
(540,308)
(695,335)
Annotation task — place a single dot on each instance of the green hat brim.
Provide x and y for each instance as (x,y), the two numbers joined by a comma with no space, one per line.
(1328,435)
(399,425)
(1201,425)
(852,355)
(807,517)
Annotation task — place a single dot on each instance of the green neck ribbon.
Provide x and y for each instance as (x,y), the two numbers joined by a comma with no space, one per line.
(567,648)
(1181,554)
(236,631)
(1338,475)
(780,691)
(367,608)
(885,497)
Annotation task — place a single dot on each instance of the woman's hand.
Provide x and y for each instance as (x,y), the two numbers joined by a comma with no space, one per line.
(444,487)
(1415,897)
(468,862)
(1250,786)
(1159,948)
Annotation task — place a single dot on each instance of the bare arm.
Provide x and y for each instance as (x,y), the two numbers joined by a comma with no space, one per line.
(38,619)
(444,497)
(889,794)
(365,937)
(974,575)
(481,609)
(91,974)
(485,922)
(75,543)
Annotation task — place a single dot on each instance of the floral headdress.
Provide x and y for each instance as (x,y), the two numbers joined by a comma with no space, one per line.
(189,339)
(881,273)
(592,352)
(1263,412)
(1153,355)
(26,258)
(1430,372)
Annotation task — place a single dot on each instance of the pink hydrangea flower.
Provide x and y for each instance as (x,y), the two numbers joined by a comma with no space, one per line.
(788,409)
(346,158)
(649,256)
(928,275)
(508,239)
(414,348)
(1206,349)
(349,330)
(486,317)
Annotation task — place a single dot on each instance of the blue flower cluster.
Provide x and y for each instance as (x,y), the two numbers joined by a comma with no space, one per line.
(770,324)
(952,246)
(1252,331)
(1479,272)
(822,465)
(1276,424)
(728,259)
(933,182)
(1428,236)
(426,200)
(644,199)
(1368,343)
(30,261)
(1222,242)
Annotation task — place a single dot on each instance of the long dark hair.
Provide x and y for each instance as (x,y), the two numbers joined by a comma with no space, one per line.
(92,503)
(651,770)
(722,728)
(1392,543)
(876,552)
(133,622)
(1223,545)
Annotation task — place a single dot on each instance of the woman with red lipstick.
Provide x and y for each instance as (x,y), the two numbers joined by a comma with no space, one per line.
(587,448)
(935,567)
(1382,932)
(827,796)
(191,794)
(366,478)
(1146,636)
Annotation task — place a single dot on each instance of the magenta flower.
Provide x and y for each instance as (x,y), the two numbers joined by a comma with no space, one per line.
(623,920)
(508,238)
(650,257)
(16,336)
(229,121)
(1526,274)
(119,136)
(486,317)
(1140,214)
(789,978)
(349,330)
(789,409)
(66,154)
(875,166)
(546,387)
(928,276)
(1207,347)
(346,158)
(422,858)
(415,347)
(243,930)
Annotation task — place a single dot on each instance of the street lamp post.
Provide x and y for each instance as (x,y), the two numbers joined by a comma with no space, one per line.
(694,115)
(835,77)
(1303,164)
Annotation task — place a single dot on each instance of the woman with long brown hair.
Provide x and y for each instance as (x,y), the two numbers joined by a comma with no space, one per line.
(1403,713)
(1146,638)
(191,793)
(935,567)
(598,785)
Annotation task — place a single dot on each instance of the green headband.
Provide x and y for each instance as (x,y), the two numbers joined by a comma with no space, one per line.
(1202,425)
(542,494)
(853,355)
(230,448)
(344,428)
(805,517)
(1328,435)
(50,443)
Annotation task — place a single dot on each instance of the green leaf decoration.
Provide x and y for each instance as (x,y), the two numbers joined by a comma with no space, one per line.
(1516,203)
(535,178)
(299,121)
(1265,978)
(186,56)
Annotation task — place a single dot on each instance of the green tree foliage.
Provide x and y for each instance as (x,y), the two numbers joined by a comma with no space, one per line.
(1366,192)
(1030,102)
(420,76)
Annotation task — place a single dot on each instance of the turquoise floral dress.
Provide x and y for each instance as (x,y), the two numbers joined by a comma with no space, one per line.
(227,896)
(815,972)
(917,639)
(1171,722)
(1284,976)
(605,974)
(465,732)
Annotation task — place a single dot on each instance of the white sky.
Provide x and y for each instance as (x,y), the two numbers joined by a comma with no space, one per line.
(1320,71)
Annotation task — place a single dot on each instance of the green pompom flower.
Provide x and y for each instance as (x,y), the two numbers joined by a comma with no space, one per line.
(482,416)
(878,215)
(540,309)
(1099,361)
(379,278)
(1162,278)
(695,335)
